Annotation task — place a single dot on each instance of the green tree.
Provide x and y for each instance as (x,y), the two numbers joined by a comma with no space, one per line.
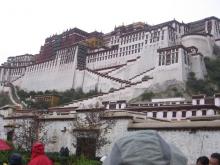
(4,99)
(147,96)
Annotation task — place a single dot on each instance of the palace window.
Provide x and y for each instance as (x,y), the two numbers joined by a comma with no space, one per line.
(163,59)
(162,36)
(174,114)
(154,114)
(193,113)
(160,60)
(183,113)
(185,58)
(164,114)
(168,58)
(203,112)
(173,57)
(176,53)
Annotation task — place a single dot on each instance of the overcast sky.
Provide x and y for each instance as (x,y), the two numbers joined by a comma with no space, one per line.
(24,24)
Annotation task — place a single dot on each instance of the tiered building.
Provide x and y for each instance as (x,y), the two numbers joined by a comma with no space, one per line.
(122,64)
(166,52)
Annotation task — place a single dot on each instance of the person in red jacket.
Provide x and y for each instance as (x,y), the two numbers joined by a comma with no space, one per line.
(38,156)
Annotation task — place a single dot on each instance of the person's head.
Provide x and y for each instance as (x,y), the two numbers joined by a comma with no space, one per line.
(203,160)
(15,159)
(214,159)
(37,149)
(144,148)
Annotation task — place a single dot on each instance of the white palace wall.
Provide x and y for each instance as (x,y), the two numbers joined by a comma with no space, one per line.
(198,66)
(203,43)
(193,144)
(147,60)
(54,74)
(91,81)
(58,136)
(176,71)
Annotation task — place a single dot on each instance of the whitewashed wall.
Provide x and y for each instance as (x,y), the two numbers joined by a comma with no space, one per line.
(193,143)
(89,81)
(50,75)
(58,138)
(198,66)
(203,43)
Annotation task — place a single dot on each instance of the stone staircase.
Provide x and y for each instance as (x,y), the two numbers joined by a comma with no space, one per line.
(142,73)
(14,96)
(102,96)
(109,77)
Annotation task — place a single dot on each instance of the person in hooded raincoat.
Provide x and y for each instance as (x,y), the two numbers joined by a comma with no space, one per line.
(144,148)
(38,156)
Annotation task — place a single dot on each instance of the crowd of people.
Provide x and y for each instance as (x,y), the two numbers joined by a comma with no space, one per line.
(213,160)
(38,156)
(141,148)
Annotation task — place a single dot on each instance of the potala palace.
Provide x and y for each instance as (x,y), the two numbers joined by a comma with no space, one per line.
(122,64)
(121,58)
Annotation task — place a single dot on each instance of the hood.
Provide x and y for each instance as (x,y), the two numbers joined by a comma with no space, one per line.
(144,148)
(37,149)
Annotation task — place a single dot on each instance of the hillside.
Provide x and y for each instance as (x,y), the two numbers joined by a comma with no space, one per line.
(4,99)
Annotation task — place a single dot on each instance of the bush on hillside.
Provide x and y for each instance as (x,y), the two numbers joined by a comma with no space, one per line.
(147,96)
(4,99)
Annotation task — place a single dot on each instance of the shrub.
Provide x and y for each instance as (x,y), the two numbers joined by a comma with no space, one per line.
(147,96)
(145,78)
(4,99)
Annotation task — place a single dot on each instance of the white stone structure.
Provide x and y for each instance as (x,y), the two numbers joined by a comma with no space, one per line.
(194,137)
(164,52)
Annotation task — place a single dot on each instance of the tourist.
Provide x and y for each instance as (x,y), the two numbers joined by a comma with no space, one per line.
(15,159)
(214,159)
(203,160)
(38,156)
(144,148)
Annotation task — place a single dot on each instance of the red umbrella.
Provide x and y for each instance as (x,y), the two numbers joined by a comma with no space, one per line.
(4,146)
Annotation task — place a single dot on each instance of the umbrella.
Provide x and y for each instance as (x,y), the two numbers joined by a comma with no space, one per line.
(4,146)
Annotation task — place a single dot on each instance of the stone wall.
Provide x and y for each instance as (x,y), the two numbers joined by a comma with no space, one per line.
(204,43)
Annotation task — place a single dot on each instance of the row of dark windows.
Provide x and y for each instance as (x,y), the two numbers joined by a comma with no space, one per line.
(132,49)
(174,114)
(135,46)
(128,39)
